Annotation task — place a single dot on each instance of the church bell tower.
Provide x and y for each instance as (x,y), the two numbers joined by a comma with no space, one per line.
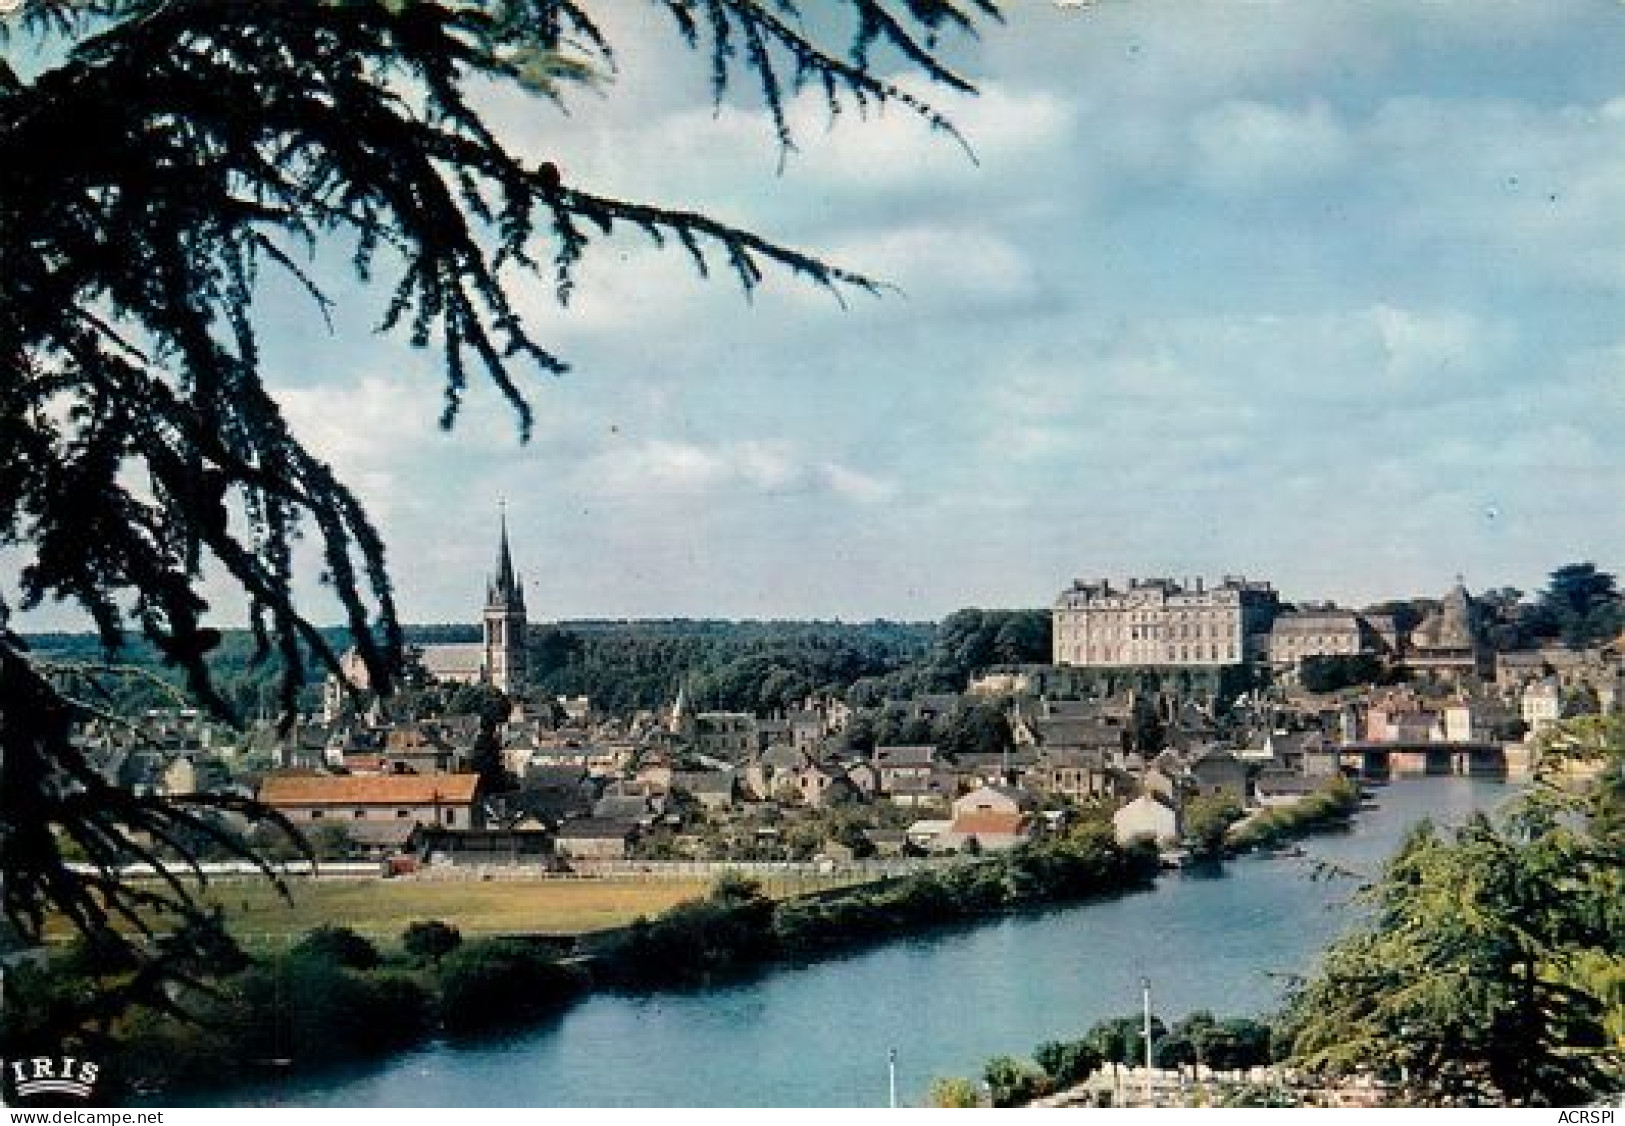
(505,621)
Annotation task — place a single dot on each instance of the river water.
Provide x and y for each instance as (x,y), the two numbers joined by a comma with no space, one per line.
(818,1035)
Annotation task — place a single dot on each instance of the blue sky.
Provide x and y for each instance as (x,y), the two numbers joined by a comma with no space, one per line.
(1330,294)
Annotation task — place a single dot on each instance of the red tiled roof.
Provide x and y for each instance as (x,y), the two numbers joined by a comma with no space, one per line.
(386,789)
(368,763)
(981,824)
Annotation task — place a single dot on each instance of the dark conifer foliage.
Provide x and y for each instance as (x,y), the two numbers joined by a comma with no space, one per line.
(171,150)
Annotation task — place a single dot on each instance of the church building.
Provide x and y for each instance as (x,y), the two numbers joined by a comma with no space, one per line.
(504,622)
(498,659)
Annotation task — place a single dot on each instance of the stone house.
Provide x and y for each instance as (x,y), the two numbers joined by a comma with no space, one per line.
(820,785)
(712,789)
(1217,771)
(903,764)
(935,789)
(595,838)
(765,772)
(1541,705)
(1277,787)
(1146,816)
(865,776)
(1078,775)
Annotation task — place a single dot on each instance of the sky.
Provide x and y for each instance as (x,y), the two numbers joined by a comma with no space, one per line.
(1330,294)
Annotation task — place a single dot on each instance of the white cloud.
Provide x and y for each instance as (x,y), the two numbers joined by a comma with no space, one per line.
(660,469)
(1254,146)
(940,270)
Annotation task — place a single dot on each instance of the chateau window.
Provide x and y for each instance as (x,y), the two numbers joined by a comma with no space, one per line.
(315,815)
(360,815)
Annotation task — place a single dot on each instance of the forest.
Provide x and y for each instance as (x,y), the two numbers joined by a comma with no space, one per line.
(628,666)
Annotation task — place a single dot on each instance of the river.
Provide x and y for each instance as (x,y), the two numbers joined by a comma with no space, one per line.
(818,1035)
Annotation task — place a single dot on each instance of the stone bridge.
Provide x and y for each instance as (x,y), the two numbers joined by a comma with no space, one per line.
(1382,761)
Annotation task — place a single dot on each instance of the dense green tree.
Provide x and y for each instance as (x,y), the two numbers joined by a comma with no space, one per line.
(1014,1082)
(1227,1045)
(1330,673)
(499,982)
(1207,823)
(1236,1043)
(163,154)
(971,640)
(492,707)
(1122,1039)
(1068,1062)
(307,1009)
(1580,605)
(979,728)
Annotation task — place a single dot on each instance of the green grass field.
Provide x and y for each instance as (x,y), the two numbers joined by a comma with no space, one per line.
(381,909)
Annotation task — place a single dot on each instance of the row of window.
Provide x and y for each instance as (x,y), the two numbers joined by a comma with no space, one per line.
(449,816)
(1149,654)
(1149,632)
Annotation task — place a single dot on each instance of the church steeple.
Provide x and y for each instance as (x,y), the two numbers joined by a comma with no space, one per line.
(505,626)
(505,591)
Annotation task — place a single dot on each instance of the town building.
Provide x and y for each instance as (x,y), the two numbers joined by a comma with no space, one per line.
(1160,622)
(995,817)
(505,625)
(349,801)
(595,838)
(1541,704)
(499,658)
(1449,642)
(1320,632)
(1146,816)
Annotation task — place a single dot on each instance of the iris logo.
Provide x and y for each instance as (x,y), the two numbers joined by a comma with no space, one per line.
(53,1075)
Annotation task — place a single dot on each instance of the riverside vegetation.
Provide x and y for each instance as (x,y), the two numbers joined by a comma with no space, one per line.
(1490,970)
(334,997)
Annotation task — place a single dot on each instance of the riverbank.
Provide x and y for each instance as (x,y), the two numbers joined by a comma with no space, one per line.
(817,1031)
(821,937)
(311,1007)
(1327,809)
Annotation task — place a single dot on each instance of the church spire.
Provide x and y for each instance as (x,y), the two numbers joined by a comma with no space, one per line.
(505,627)
(505,590)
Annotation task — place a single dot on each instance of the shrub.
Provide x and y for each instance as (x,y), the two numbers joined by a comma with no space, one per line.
(735,887)
(338,945)
(1068,1062)
(954,1092)
(431,940)
(1013,1082)
(496,983)
(700,936)
(308,1008)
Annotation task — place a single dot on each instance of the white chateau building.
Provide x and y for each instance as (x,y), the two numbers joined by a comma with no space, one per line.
(1159,622)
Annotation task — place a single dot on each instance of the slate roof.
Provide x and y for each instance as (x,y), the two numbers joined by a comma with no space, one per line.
(704,781)
(596,828)
(905,756)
